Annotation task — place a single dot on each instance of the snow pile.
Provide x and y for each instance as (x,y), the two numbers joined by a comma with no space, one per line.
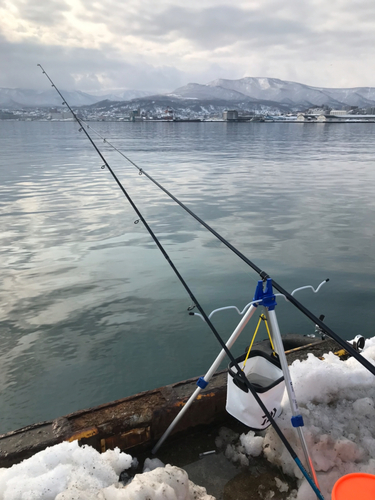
(337,401)
(162,483)
(69,472)
(65,467)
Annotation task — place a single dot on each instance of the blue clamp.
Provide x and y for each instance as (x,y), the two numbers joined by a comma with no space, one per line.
(266,296)
(297,421)
(202,383)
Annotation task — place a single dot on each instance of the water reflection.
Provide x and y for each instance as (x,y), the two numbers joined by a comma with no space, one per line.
(90,309)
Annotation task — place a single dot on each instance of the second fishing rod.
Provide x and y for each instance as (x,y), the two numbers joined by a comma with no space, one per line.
(263,274)
(199,307)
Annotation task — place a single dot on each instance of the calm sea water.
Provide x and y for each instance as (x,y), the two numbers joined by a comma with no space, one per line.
(91,311)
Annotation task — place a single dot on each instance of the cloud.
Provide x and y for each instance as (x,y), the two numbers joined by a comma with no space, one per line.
(162,45)
(46,13)
(85,69)
(204,28)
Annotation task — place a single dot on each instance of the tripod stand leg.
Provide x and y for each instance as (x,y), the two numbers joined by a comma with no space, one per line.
(203,381)
(297,418)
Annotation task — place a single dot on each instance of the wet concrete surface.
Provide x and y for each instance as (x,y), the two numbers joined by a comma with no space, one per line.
(226,481)
(207,465)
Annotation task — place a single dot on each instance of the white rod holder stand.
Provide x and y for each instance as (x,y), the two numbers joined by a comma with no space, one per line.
(232,339)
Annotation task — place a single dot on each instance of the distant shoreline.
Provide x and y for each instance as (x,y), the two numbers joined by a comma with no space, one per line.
(314,122)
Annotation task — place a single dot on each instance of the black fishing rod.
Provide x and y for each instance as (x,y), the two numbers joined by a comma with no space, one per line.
(317,321)
(195,301)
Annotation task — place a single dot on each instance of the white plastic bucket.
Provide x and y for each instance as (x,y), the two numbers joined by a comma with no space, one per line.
(266,377)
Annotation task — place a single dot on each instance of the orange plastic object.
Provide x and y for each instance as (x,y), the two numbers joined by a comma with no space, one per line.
(358,485)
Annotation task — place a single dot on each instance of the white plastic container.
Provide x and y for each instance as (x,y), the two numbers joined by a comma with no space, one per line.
(266,377)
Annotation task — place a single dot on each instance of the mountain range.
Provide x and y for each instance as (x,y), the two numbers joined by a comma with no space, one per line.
(245,93)
(279,92)
(18,98)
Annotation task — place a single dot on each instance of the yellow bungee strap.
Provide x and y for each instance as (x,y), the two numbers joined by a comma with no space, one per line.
(262,317)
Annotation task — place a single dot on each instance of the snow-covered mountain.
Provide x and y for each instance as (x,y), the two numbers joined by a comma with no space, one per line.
(250,90)
(208,92)
(15,98)
(119,94)
(280,91)
(32,98)
(190,108)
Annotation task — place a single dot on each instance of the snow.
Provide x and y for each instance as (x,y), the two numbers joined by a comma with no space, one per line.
(69,472)
(152,464)
(264,83)
(61,468)
(252,444)
(163,483)
(336,399)
(281,485)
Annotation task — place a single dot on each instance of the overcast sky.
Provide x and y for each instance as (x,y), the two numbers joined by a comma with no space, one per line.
(159,45)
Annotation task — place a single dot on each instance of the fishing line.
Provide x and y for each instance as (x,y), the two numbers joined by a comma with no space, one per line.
(193,298)
(317,321)
(141,171)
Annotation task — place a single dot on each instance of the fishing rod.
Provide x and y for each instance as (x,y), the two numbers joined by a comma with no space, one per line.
(195,301)
(317,321)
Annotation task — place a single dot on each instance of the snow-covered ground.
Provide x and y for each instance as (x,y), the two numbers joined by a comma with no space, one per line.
(69,472)
(336,399)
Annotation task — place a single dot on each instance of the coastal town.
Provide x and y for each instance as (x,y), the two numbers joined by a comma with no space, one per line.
(119,114)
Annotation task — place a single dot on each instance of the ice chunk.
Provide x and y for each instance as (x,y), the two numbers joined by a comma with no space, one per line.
(151,464)
(253,444)
(281,486)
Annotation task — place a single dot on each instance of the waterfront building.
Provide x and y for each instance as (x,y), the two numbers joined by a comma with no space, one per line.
(230,115)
